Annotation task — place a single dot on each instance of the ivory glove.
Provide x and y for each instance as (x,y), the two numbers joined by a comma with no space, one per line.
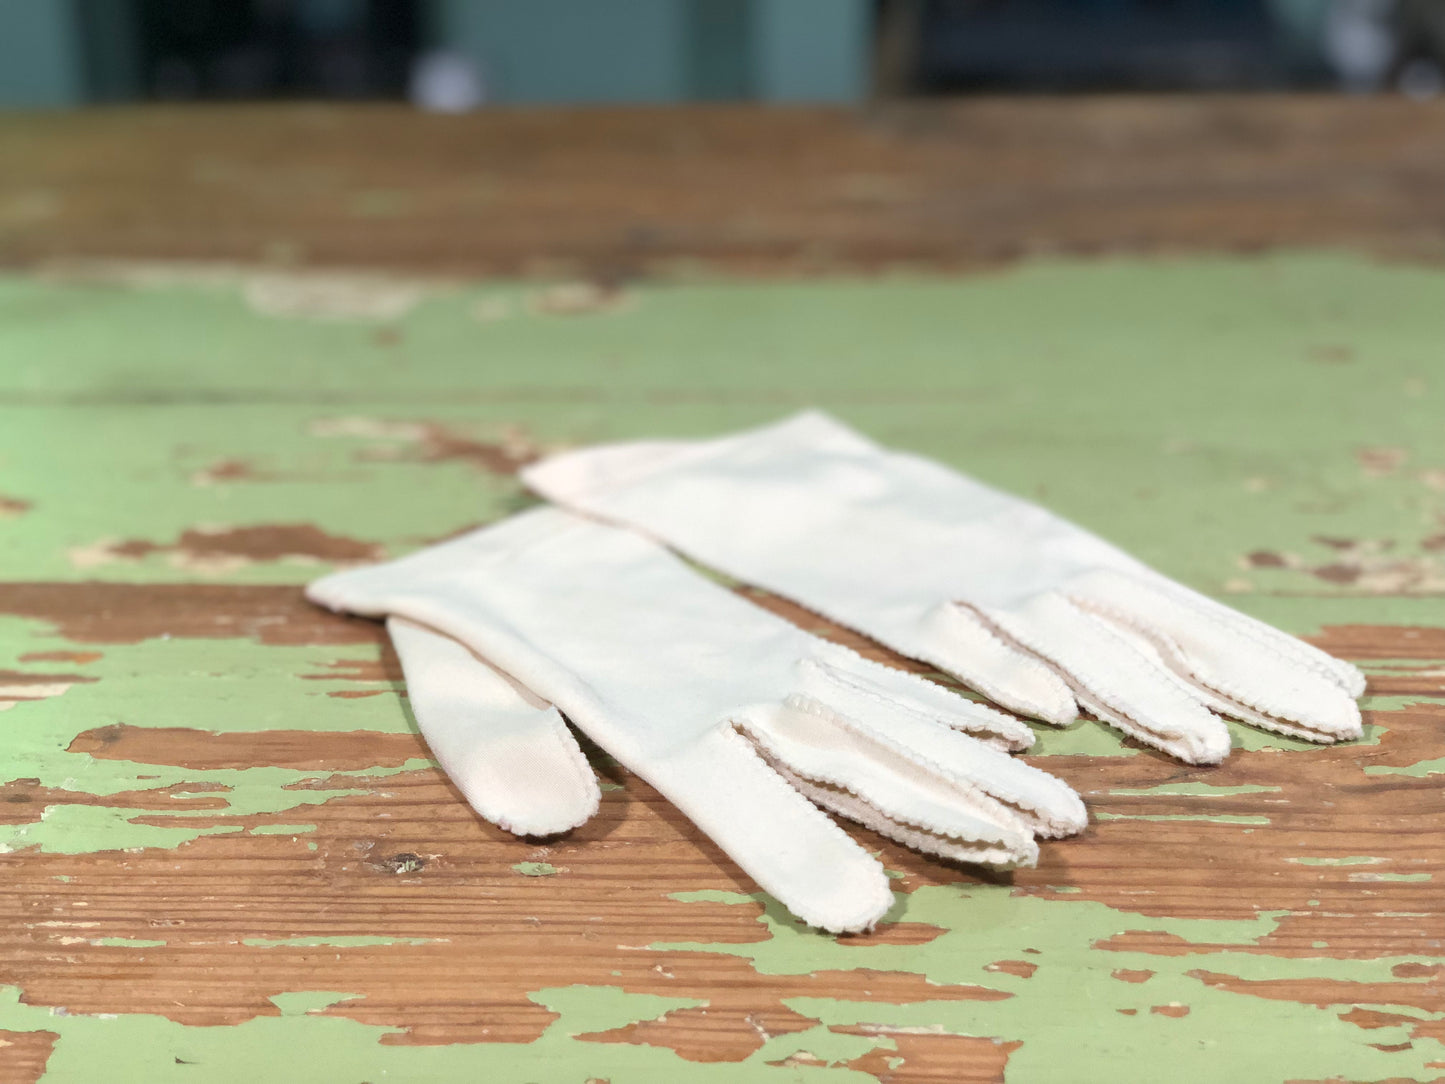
(735,716)
(1035,613)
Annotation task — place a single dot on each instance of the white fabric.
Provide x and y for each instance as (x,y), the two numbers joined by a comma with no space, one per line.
(1030,610)
(715,702)
(508,751)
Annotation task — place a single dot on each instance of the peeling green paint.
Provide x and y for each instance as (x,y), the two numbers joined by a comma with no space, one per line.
(1240,442)
(1200,790)
(127,942)
(1353,860)
(1068,1009)
(1419,769)
(79,829)
(1201,462)
(307,1002)
(282,829)
(219,686)
(822,1047)
(1414,877)
(1084,738)
(1213,818)
(712,895)
(536,869)
(306,1042)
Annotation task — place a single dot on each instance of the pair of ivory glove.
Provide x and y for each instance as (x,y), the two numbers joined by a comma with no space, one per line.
(748,724)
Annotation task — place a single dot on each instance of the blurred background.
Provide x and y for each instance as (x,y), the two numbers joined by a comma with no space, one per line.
(455,55)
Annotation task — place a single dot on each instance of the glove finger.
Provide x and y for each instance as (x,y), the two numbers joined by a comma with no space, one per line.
(1169,658)
(866,684)
(872,740)
(867,781)
(848,805)
(883,719)
(1130,690)
(959,643)
(782,841)
(508,752)
(1253,681)
(1347,676)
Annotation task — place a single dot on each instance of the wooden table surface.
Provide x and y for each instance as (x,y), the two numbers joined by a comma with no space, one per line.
(239,347)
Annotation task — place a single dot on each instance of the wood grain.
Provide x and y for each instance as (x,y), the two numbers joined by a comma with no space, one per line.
(615,193)
(471,937)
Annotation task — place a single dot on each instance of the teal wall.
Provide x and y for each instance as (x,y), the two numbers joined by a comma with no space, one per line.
(40,54)
(565,51)
(811,50)
(532,51)
(562,51)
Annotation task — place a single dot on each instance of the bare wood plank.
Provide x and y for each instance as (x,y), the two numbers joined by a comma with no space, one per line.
(612,193)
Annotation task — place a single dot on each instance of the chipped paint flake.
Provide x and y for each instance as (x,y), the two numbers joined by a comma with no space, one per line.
(580,299)
(538,869)
(1381,461)
(331,297)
